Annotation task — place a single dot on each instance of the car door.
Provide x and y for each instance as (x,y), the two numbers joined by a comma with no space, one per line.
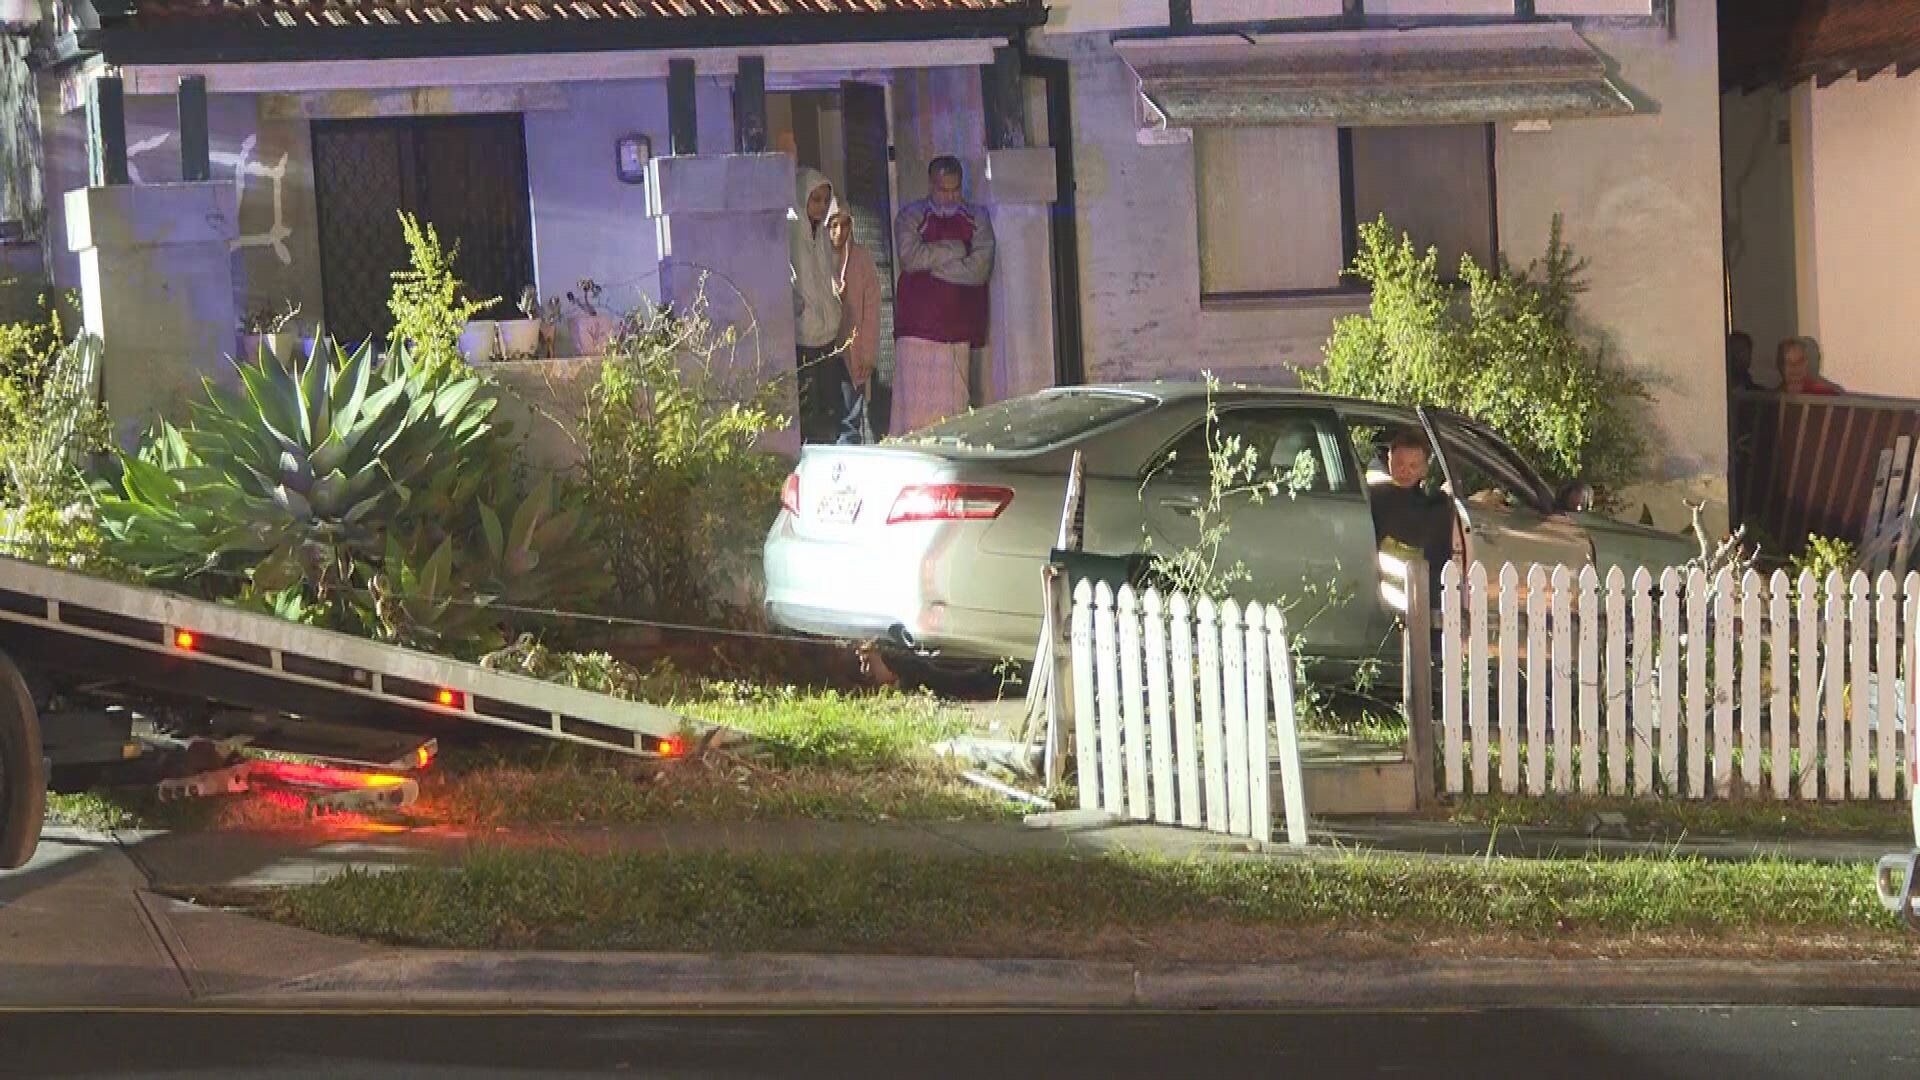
(1306,543)
(1506,510)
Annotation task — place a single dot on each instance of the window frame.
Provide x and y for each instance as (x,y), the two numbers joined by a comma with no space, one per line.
(1326,420)
(1350,232)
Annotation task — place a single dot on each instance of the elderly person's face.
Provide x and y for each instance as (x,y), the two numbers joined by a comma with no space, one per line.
(840,231)
(1793,363)
(943,190)
(1407,465)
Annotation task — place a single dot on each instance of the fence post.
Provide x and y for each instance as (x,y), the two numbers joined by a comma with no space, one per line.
(1417,681)
(1061,706)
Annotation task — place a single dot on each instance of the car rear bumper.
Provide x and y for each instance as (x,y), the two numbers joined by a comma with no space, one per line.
(893,594)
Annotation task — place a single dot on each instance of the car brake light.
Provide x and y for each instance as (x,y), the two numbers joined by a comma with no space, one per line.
(949,502)
(790,493)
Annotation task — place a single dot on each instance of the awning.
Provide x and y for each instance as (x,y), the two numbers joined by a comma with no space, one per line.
(1443,75)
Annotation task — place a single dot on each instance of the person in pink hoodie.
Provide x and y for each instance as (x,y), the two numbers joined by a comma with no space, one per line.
(856,281)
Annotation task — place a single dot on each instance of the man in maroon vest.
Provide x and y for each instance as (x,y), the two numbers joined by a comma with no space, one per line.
(945,248)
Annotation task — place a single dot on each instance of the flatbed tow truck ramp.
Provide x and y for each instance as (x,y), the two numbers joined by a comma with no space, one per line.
(79,656)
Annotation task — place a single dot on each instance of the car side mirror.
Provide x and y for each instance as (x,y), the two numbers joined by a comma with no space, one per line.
(1576,498)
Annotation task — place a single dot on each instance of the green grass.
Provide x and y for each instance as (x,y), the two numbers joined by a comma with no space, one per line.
(1671,818)
(817,754)
(1057,904)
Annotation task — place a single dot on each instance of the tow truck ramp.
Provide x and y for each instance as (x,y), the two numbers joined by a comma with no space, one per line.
(143,642)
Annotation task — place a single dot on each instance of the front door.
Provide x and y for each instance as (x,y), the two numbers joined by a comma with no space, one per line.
(1308,546)
(465,175)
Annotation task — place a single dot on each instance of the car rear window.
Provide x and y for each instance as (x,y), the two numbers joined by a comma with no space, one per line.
(1031,423)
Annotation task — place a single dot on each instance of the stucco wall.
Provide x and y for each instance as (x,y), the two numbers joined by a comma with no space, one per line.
(1641,201)
(586,223)
(1758,231)
(268,163)
(1857,150)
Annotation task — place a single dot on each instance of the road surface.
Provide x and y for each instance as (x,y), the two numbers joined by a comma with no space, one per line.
(1644,1043)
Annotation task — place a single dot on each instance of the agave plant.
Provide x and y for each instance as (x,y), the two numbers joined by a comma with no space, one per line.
(297,473)
(539,554)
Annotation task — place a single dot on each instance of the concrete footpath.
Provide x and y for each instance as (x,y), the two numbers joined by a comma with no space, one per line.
(93,921)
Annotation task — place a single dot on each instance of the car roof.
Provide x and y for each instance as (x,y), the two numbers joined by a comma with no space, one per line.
(1179,391)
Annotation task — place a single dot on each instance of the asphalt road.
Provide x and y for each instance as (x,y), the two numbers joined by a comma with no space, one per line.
(1642,1043)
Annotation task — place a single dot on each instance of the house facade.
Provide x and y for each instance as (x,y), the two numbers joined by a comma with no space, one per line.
(1175,184)
(1224,154)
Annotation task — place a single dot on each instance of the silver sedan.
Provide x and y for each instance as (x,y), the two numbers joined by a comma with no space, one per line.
(934,543)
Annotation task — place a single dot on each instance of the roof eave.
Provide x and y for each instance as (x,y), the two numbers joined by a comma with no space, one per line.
(187,42)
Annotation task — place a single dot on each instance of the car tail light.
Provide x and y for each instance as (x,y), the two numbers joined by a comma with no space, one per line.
(949,502)
(790,493)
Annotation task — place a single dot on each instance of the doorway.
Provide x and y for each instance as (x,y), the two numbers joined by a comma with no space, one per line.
(465,175)
(845,134)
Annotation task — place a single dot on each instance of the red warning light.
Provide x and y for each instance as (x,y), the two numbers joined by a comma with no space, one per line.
(449,698)
(672,746)
(184,639)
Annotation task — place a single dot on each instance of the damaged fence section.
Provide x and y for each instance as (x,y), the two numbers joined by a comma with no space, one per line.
(1688,686)
(1183,712)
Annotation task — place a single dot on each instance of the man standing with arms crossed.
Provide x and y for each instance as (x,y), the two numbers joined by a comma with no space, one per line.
(945,248)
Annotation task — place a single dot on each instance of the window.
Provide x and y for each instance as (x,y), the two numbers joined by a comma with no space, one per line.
(1278,208)
(1034,422)
(1300,447)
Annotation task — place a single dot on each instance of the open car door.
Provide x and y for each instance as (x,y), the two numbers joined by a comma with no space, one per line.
(1506,511)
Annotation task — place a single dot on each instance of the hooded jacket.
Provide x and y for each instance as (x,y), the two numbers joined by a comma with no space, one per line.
(816,303)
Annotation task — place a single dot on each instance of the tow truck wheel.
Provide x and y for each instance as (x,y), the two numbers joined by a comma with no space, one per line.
(23,770)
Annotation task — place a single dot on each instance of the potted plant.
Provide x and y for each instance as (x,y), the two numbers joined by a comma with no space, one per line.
(270,330)
(589,330)
(520,337)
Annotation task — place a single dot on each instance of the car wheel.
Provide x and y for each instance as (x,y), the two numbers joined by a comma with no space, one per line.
(947,678)
(23,779)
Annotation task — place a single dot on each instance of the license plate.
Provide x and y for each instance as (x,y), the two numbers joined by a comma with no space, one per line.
(839,508)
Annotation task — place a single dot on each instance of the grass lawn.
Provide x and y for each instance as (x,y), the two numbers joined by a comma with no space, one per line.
(1673,818)
(1070,905)
(819,754)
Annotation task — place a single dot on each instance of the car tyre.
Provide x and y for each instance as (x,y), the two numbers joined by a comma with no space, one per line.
(23,769)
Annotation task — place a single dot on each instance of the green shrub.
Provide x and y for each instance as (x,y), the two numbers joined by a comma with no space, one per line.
(51,427)
(1505,353)
(672,464)
(429,305)
(376,496)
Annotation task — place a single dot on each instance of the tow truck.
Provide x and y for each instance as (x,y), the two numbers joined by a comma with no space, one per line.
(86,664)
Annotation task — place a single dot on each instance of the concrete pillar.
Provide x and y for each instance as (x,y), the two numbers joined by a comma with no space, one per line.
(725,216)
(1019,190)
(156,285)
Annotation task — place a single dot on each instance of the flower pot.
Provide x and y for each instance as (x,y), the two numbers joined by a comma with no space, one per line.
(479,342)
(590,334)
(519,338)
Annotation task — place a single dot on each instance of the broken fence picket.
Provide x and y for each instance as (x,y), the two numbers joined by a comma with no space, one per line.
(1146,671)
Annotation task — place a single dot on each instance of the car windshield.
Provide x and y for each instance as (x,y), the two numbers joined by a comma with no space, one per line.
(1033,422)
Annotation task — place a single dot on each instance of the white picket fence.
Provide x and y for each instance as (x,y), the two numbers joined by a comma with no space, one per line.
(1173,706)
(1556,683)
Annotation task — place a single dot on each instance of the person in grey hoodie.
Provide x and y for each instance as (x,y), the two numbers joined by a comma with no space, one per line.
(824,384)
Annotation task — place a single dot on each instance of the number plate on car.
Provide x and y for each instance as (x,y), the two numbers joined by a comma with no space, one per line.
(839,508)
